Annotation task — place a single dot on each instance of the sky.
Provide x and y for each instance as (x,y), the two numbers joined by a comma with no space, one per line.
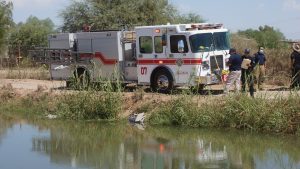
(234,14)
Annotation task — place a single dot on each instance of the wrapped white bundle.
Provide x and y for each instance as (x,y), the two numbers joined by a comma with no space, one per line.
(246,63)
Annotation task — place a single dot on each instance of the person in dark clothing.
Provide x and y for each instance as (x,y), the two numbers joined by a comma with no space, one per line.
(247,72)
(295,63)
(234,76)
(260,68)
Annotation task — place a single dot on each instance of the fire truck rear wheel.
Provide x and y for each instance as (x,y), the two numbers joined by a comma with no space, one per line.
(162,81)
(82,77)
(69,83)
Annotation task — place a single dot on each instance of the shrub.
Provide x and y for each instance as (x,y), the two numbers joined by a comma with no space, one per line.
(89,105)
(238,111)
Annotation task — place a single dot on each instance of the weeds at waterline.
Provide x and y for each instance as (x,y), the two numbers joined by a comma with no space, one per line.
(280,115)
(275,115)
(78,105)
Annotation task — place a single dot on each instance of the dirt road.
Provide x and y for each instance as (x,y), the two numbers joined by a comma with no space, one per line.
(30,84)
(26,85)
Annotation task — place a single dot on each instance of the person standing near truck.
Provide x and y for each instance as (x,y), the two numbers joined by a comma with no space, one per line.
(260,68)
(295,65)
(234,76)
(247,72)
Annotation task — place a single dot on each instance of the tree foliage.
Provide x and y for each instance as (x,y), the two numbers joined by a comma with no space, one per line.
(265,36)
(5,21)
(32,33)
(189,18)
(119,14)
(75,16)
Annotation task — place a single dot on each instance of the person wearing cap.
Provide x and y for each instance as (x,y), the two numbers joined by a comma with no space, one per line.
(248,65)
(260,68)
(295,65)
(234,76)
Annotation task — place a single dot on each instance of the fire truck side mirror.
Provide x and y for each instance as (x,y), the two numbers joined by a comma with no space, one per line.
(164,40)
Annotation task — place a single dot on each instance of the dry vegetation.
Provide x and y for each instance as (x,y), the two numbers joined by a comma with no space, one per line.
(39,73)
(278,60)
(26,69)
(263,114)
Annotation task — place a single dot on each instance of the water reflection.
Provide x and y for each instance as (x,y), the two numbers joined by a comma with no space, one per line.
(112,146)
(5,124)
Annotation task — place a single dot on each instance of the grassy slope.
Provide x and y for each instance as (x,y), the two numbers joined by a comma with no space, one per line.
(277,114)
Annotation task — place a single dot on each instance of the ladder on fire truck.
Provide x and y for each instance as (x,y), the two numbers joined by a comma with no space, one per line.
(47,56)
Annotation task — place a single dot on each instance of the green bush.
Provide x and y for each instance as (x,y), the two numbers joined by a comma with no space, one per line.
(83,105)
(89,105)
(237,111)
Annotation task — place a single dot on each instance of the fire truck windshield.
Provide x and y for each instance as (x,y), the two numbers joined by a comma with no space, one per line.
(221,41)
(206,42)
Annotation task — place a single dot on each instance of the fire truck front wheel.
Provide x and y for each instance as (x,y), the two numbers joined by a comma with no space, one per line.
(162,82)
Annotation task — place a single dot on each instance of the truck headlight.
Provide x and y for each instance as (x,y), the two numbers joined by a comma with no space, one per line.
(226,60)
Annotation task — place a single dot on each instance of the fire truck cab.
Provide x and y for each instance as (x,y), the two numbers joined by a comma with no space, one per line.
(181,55)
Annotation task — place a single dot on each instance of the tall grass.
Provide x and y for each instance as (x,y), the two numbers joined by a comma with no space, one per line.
(237,111)
(39,73)
(87,105)
(78,105)
(26,69)
(92,100)
(263,114)
(101,101)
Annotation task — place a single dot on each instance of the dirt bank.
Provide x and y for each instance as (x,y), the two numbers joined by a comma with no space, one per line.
(32,85)
(135,99)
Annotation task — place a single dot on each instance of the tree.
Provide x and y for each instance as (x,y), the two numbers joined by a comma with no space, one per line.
(5,21)
(32,33)
(119,14)
(265,36)
(75,16)
(114,14)
(190,18)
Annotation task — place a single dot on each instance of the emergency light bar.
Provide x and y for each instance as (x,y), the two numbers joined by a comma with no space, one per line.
(206,26)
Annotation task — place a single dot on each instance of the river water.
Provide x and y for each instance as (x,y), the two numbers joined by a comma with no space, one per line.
(93,145)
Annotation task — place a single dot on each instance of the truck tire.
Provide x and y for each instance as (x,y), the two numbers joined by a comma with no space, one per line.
(162,82)
(69,84)
(82,78)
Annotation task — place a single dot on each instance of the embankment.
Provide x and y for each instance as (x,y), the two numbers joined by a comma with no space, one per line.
(265,113)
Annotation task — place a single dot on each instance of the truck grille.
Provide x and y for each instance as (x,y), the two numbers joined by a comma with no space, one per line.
(214,64)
